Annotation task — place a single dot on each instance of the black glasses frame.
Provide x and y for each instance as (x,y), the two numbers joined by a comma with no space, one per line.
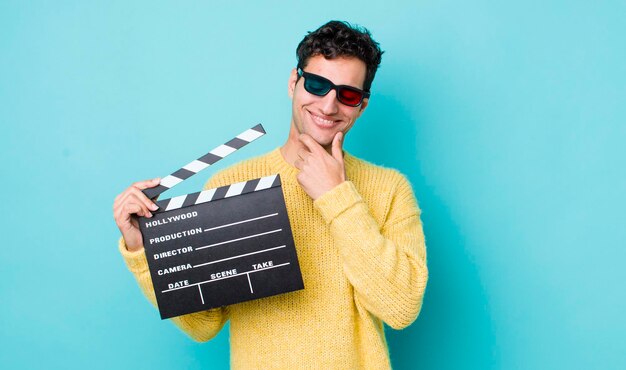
(331,86)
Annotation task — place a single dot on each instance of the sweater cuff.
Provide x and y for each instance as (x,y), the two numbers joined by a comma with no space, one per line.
(136,261)
(337,200)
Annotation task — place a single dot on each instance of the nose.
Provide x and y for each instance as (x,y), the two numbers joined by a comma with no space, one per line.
(329,103)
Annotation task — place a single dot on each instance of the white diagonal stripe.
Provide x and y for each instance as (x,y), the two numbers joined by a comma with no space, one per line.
(235,189)
(265,182)
(205,196)
(196,166)
(176,202)
(170,181)
(222,150)
(250,135)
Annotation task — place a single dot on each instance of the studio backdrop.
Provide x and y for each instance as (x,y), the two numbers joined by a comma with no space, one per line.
(508,118)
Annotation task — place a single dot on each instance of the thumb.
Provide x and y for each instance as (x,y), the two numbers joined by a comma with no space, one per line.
(336,146)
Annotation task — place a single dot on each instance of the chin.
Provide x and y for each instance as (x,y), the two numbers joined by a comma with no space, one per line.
(323,139)
(324,136)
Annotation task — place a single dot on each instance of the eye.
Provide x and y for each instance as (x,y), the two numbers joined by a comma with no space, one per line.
(318,85)
(350,96)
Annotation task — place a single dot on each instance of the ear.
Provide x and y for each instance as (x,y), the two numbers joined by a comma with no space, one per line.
(291,86)
(363,105)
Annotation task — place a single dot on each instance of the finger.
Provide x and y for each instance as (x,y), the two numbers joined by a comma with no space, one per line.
(135,188)
(139,199)
(119,199)
(298,164)
(121,202)
(125,214)
(130,195)
(303,153)
(137,209)
(141,185)
(142,198)
(336,147)
(313,146)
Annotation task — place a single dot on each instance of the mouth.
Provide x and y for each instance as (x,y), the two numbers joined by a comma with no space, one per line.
(323,122)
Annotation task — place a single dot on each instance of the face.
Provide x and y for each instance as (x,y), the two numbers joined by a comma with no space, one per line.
(322,117)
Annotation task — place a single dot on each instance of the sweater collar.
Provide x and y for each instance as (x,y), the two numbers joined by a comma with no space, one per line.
(279,165)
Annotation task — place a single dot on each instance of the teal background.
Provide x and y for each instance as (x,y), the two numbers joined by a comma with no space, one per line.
(507,117)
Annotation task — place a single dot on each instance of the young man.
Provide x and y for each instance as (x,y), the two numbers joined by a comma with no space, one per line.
(356,227)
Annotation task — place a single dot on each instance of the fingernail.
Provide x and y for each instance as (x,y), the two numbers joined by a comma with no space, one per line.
(149,215)
(154,207)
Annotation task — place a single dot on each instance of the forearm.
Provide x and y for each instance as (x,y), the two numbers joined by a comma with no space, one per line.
(201,326)
(386,266)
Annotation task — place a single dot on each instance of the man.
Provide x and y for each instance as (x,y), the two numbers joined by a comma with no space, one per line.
(356,227)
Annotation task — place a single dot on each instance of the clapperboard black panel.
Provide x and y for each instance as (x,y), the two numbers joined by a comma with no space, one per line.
(223,246)
(220,246)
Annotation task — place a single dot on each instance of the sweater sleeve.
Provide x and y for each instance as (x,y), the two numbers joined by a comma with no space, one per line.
(201,326)
(385,265)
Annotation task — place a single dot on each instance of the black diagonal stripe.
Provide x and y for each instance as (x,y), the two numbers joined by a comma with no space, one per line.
(220,192)
(209,158)
(276,181)
(153,192)
(236,143)
(183,174)
(190,200)
(162,205)
(250,186)
(259,128)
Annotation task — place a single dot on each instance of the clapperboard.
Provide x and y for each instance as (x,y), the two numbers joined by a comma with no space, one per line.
(219,246)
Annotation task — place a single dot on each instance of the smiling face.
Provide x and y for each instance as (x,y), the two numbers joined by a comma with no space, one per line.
(322,117)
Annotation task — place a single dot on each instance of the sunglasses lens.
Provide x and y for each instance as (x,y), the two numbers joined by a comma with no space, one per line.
(349,97)
(316,86)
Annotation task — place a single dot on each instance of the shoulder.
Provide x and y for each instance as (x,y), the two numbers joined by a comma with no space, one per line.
(383,189)
(369,175)
(245,170)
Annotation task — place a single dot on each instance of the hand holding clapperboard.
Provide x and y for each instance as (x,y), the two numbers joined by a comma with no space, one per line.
(219,246)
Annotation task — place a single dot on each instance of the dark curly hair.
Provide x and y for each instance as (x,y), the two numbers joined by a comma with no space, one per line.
(341,39)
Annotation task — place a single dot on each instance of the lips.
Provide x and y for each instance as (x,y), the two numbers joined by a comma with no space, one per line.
(321,121)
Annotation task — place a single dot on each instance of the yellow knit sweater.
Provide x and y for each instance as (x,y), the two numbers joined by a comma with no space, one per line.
(363,260)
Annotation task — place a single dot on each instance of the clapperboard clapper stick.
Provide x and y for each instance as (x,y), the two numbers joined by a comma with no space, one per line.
(220,246)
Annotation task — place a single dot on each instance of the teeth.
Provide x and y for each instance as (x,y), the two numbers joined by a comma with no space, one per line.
(323,121)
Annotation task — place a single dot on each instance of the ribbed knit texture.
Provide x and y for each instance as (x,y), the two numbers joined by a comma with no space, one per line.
(363,259)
